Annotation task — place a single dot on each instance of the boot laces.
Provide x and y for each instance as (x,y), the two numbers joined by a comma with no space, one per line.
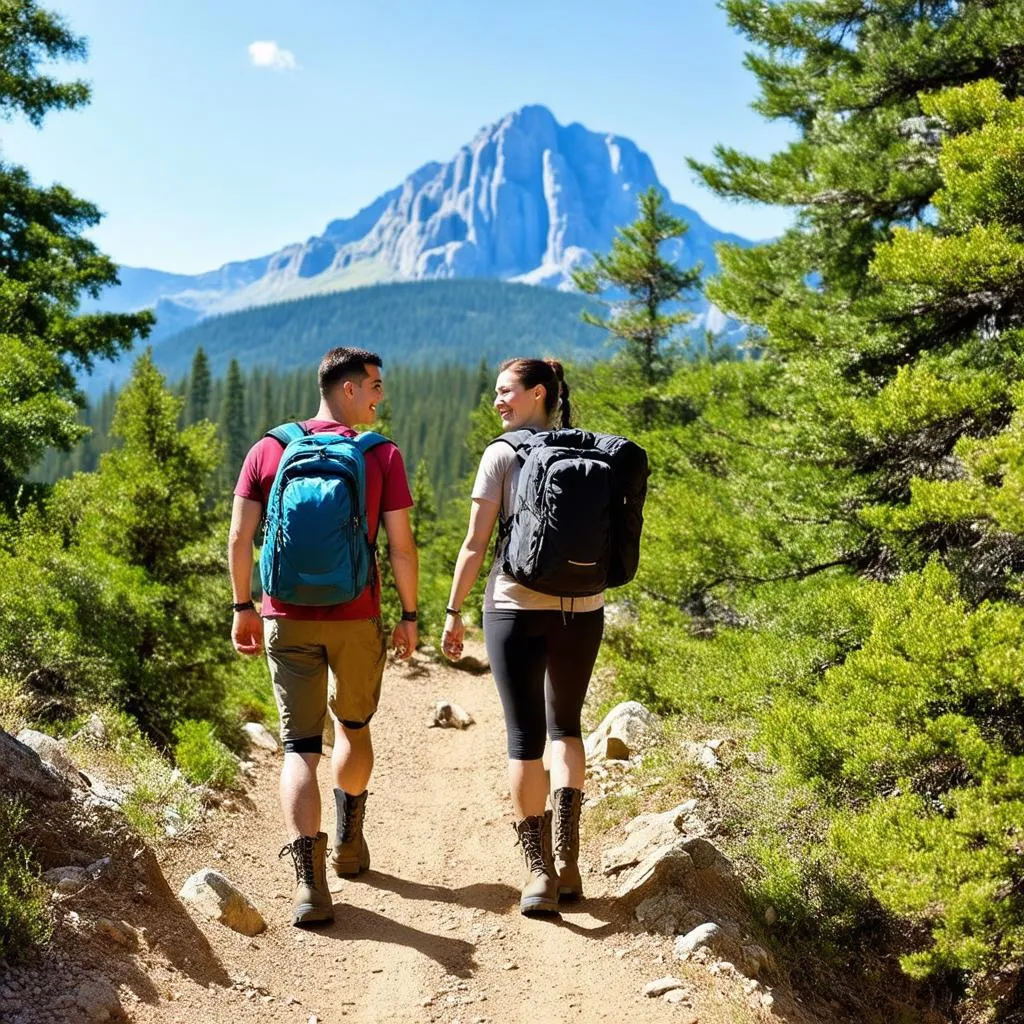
(533,848)
(353,822)
(302,856)
(563,821)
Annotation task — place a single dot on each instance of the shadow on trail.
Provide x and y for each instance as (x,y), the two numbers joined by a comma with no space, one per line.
(493,896)
(355,923)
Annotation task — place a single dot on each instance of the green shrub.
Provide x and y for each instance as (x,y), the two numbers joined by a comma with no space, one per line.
(25,921)
(202,758)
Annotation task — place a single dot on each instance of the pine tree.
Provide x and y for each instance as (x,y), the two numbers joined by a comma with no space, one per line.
(198,405)
(233,427)
(46,264)
(636,267)
(424,511)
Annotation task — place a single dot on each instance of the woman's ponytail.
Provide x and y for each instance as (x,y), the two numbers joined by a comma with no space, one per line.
(564,407)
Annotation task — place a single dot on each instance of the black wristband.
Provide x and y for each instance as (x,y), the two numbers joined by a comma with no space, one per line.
(452,611)
(408,616)
(241,606)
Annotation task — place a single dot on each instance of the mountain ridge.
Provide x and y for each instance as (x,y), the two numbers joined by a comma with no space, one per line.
(525,200)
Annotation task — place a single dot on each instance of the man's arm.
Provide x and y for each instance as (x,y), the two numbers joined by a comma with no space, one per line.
(405,566)
(246,626)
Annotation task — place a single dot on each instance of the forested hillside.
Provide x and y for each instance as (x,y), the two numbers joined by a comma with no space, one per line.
(425,411)
(410,324)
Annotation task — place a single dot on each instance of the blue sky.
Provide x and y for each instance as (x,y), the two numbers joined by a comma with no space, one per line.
(201,148)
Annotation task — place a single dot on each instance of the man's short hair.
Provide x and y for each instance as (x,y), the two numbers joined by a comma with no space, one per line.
(345,364)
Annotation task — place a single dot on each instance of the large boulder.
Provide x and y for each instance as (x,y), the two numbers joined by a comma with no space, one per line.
(53,753)
(21,769)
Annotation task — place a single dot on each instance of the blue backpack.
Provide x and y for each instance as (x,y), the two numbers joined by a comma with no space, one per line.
(316,548)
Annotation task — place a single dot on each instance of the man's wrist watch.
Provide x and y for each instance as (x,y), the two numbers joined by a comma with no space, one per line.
(241,606)
(452,611)
(408,616)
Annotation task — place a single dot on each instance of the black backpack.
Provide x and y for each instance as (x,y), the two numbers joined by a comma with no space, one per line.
(575,528)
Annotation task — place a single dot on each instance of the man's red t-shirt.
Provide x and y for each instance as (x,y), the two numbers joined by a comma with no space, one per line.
(387,490)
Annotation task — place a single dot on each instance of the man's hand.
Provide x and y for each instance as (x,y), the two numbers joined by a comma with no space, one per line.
(247,632)
(404,639)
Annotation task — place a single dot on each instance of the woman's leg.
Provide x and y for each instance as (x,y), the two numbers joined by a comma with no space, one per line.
(516,650)
(572,651)
(571,655)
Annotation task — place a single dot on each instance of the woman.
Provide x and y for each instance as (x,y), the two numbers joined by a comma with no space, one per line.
(541,657)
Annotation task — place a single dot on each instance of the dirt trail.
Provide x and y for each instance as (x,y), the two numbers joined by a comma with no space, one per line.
(432,932)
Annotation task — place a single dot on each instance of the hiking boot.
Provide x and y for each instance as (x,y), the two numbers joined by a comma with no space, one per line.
(312,904)
(351,854)
(540,882)
(566,842)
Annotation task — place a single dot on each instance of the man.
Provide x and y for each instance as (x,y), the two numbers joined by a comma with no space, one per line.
(327,657)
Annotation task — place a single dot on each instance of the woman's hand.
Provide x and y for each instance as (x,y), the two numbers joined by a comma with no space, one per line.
(453,636)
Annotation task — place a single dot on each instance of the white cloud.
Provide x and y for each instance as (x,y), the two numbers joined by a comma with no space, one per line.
(269,55)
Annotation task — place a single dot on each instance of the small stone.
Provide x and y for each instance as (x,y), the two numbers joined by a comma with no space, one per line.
(771,915)
(676,995)
(661,986)
(260,736)
(448,715)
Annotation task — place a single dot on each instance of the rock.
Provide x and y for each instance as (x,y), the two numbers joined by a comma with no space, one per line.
(67,880)
(771,915)
(630,724)
(676,995)
(450,716)
(260,736)
(102,794)
(645,832)
(709,759)
(218,899)
(703,853)
(21,768)
(612,748)
(94,730)
(661,986)
(663,913)
(53,753)
(756,959)
(709,936)
(665,866)
(98,998)
(474,665)
(120,932)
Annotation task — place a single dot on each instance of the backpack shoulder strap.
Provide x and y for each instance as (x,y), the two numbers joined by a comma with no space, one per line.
(287,432)
(515,438)
(369,439)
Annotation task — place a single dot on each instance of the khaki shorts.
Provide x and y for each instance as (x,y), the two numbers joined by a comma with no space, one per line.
(317,665)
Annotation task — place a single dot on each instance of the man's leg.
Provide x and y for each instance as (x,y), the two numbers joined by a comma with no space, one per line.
(357,654)
(298,671)
(300,794)
(352,758)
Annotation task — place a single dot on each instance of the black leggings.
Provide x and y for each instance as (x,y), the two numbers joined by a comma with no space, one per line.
(541,661)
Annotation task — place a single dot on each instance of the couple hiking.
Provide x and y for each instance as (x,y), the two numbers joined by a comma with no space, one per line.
(320,617)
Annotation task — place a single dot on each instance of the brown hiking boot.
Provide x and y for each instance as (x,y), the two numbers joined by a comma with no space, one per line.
(312,903)
(540,882)
(351,854)
(566,841)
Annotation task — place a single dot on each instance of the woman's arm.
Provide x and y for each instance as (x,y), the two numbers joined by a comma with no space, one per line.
(482,517)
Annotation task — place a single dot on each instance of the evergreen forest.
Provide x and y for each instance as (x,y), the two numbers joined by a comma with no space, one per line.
(833,559)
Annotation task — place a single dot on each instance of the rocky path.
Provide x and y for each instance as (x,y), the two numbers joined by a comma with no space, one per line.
(431,933)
